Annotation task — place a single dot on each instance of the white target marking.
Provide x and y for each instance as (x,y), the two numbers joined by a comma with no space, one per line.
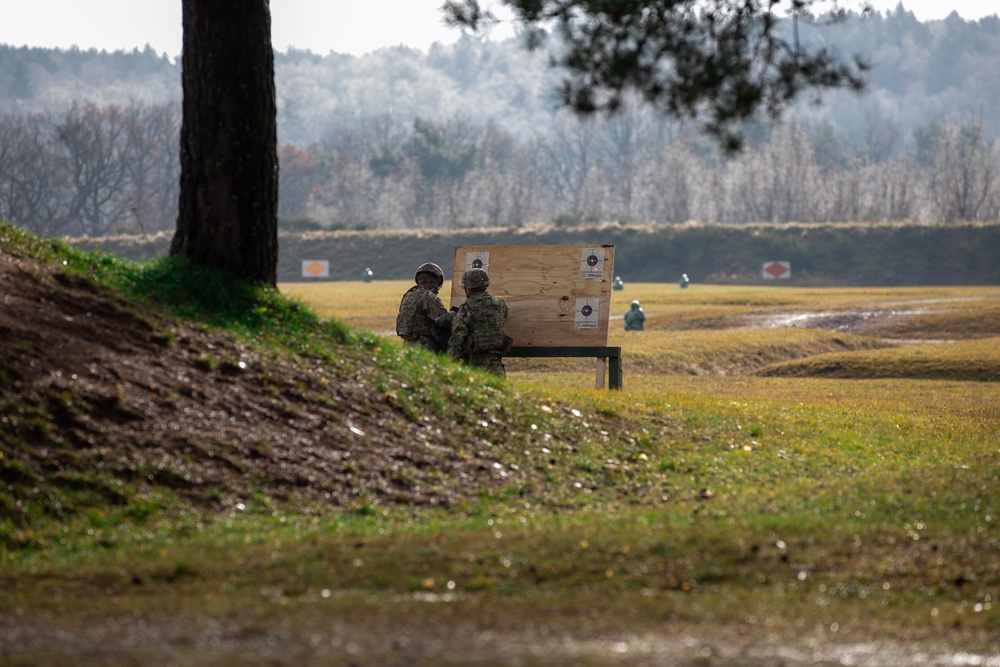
(477,260)
(587,313)
(592,263)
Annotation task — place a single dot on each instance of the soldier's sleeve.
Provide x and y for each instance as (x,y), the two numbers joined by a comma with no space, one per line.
(459,331)
(402,316)
(440,315)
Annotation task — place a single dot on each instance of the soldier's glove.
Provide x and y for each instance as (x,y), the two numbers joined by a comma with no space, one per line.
(454,309)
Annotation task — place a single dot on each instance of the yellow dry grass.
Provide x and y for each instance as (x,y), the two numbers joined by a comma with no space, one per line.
(738,331)
(727,331)
(360,305)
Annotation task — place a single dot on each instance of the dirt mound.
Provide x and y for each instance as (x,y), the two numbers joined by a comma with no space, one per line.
(98,392)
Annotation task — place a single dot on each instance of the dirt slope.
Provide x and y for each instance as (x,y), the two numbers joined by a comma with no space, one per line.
(89,382)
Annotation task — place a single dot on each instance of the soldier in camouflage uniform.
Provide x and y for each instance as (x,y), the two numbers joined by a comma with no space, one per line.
(635,318)
(477,335)
(422,317)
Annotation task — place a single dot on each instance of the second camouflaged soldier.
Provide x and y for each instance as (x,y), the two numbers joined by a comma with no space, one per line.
(422,317)
(635,318)
(477,335)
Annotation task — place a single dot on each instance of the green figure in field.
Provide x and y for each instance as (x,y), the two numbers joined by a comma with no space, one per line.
(635,318)
(422,318)
(477,335)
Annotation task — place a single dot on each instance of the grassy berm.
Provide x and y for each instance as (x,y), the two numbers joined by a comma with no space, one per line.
(197,472)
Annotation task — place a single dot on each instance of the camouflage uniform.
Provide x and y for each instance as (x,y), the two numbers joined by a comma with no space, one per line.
(422,317)
(635,318)
(477,335)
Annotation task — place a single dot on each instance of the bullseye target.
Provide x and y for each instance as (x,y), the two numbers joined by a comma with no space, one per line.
(478,260)
(592,263)
(587,314)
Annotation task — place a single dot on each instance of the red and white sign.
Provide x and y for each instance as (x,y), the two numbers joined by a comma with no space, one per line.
(773,270)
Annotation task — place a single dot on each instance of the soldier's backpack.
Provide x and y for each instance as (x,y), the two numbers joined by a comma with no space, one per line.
(407,313)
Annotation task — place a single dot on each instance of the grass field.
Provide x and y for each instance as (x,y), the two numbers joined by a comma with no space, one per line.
(871,444)
(761,492)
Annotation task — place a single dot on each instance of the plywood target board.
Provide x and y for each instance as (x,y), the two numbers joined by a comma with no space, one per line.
(558,295)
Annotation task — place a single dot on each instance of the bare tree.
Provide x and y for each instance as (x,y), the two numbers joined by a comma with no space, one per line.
(94,146)
(881,138)
(299,173)
(525,185)
(965,171)
(894,189)
(496,160)
(569,157)
(30,174)
(153,167)
(669,183)
(624,137)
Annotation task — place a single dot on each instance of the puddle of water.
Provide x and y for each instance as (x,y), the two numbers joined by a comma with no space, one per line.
(845,321)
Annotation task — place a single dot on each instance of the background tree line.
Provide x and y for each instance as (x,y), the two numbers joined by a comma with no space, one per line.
(91,170)
(637,168)
(921,71)
(95,170)
(468,135)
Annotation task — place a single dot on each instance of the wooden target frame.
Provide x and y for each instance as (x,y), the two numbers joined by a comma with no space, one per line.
(558,296)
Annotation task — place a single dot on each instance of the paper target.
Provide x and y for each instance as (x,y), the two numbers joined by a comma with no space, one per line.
(587,313)
(592,263)
(477,260)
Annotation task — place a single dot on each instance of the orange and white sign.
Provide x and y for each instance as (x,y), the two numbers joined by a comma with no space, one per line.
(315,268)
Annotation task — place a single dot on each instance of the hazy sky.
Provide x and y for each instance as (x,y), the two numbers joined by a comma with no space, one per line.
(345,26)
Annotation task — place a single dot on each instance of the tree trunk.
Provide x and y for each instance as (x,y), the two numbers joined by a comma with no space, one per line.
(229,166)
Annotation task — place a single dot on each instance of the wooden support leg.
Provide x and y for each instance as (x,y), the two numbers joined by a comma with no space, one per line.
(602,362)
(615,373)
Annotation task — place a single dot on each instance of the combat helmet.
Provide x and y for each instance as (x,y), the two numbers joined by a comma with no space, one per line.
(475,279)
(431,268)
